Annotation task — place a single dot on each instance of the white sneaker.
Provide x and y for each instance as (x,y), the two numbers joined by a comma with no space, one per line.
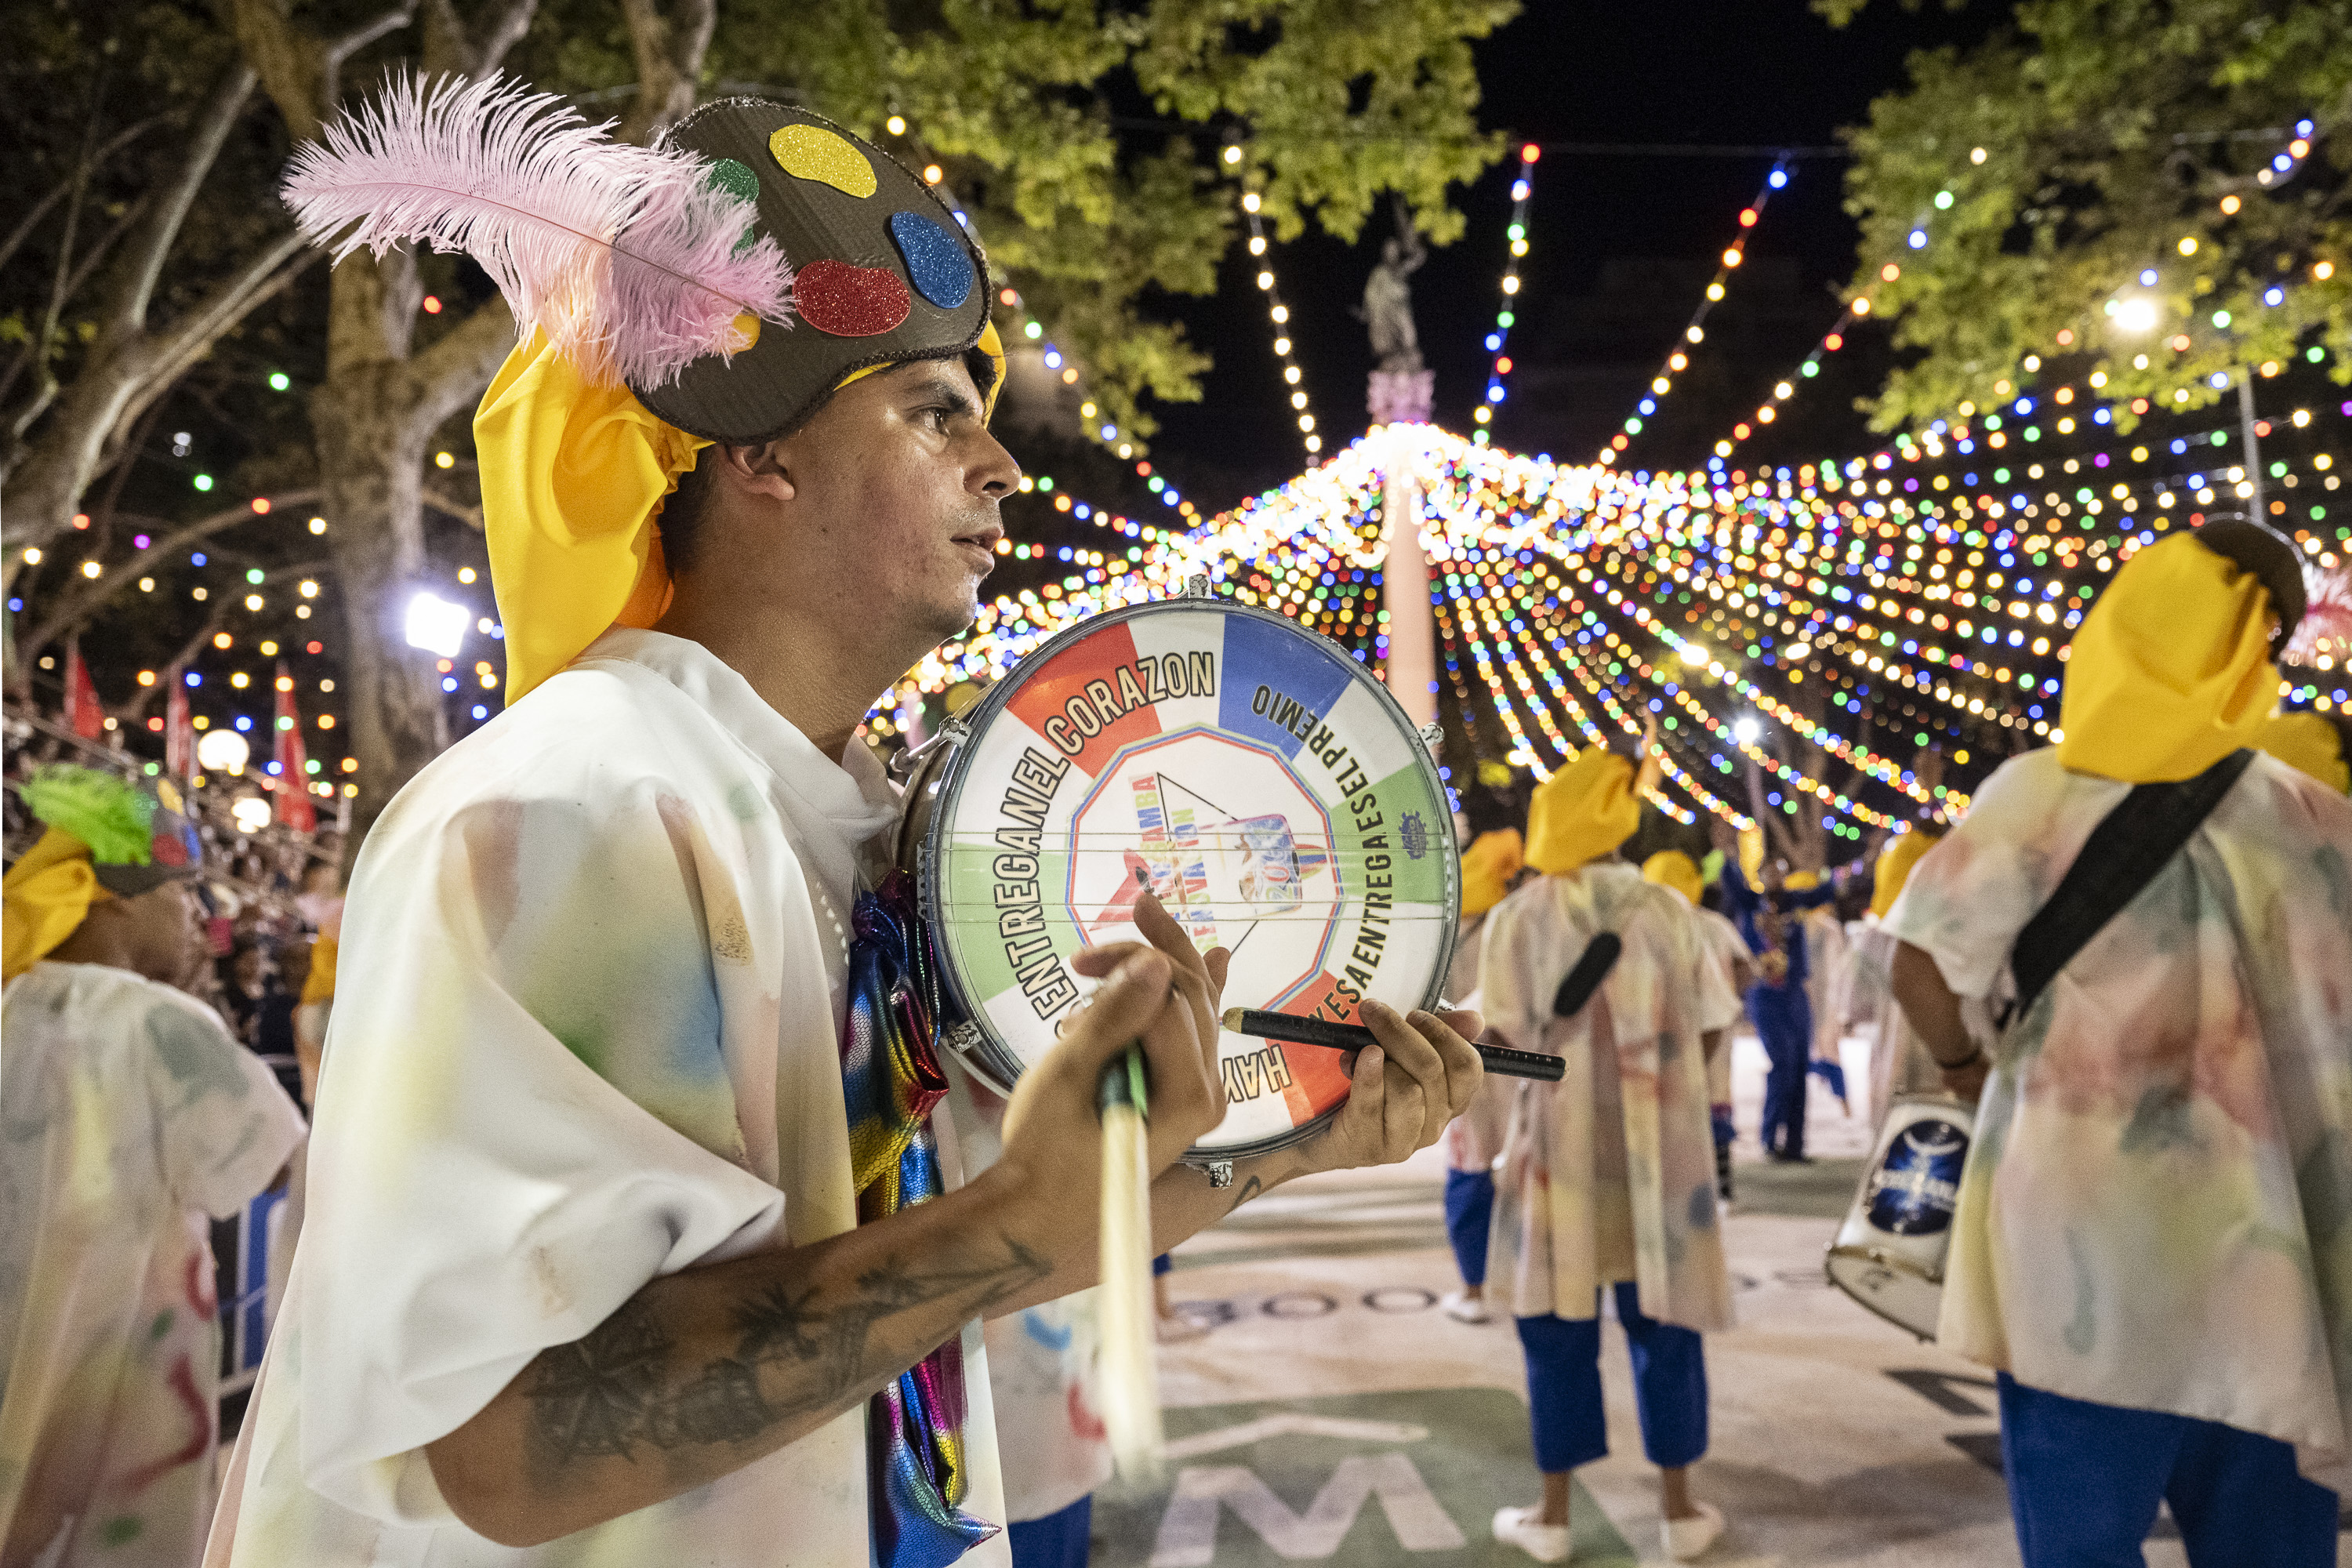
(1688,1538)
(1465,1309)
(1544,1542)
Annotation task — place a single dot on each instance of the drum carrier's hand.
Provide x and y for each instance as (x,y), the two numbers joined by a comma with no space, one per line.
(1199,982)
(1405,1090)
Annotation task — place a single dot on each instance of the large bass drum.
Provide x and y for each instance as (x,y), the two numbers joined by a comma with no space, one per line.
(1250,774)
(1889,1253)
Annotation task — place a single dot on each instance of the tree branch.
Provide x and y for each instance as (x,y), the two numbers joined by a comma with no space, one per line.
(670,52)
(449,44)
(76,608)
(300,72)
(450,506)
(265,274)
(23,229)
(142,265)
(456,369)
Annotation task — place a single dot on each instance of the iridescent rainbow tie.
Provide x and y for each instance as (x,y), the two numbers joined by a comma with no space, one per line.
(891,1080)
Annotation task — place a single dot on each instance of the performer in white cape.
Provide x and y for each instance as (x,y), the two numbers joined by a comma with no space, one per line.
(633,1238)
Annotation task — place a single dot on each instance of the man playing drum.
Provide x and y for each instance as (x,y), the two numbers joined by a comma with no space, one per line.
(2153,1244)
(625,1199)
(1608,1177)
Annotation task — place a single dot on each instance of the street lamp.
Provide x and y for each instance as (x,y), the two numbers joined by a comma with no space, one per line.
(2140,313)
(437,626)
(1745,728)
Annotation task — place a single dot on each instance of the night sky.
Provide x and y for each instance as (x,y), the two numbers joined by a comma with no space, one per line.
(1769,73)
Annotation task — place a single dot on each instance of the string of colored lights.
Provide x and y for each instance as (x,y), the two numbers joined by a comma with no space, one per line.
(1694,333)
(1292,375)
(2282,167)
(1564,547)
(1533,656)
(1523,190)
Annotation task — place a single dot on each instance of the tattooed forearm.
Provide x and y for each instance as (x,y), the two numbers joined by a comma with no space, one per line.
(617,1387)
(1249,1190)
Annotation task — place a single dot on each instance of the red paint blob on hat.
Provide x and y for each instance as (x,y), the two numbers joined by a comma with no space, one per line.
(845,302)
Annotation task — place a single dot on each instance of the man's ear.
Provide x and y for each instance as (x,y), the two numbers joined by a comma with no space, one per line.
(759,471)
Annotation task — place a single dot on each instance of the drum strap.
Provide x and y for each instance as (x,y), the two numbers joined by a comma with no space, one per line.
(1577,988)
(2131,844)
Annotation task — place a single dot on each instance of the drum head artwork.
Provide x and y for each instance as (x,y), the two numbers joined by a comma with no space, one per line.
(1255,779)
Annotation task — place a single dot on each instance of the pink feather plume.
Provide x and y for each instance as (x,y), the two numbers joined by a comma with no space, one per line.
(625,257)
(2326,624)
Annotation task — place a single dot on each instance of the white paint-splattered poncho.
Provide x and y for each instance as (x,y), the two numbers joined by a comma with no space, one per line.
(586,1033)
(1608,1176)
(2156,1211)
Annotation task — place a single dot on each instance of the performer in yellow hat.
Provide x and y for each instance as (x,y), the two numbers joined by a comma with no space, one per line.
(1490,866)
(2148,1245)
(1728,953)
(128,1115)
(634,1236)
(1606,1179)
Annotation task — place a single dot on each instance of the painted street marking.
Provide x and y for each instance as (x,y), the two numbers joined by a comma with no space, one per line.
(1290,1423)
(1188,1531)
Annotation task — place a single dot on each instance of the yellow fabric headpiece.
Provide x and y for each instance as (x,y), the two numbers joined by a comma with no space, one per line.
(2309,743)
(320,985)
(1582,812)
(1894,863)
(573,475)
(2171,670)
(1672,869)
(1487,868)
(1802,881)
(47,894)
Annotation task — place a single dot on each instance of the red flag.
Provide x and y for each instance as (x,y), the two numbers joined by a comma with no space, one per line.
(179,734)
(294,805)
(85,716)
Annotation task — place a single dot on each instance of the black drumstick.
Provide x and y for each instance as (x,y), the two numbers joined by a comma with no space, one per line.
(1355,1038)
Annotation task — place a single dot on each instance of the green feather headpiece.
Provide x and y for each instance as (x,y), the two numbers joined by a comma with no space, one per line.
(115,819)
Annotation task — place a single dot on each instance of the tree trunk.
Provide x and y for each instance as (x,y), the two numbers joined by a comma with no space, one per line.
(372,421)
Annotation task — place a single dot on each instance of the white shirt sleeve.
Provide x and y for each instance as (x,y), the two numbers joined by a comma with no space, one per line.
(224,1126)
(524,1118)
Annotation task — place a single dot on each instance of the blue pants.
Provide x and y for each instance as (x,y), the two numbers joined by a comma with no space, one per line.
(1056,1541)
(1469,1211)
(2084,1481)
(1564,1386)
(1784,1021)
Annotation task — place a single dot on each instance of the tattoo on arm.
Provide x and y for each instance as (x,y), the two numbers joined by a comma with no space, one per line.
(615,1388)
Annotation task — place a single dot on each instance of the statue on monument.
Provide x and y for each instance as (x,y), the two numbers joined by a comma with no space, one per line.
(1400,388)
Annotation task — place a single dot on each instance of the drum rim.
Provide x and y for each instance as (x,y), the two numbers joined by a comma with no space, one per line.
(1866,1304)
(993,702)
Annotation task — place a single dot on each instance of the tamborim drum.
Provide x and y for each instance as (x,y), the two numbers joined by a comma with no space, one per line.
(1889,1253)
(1253,776)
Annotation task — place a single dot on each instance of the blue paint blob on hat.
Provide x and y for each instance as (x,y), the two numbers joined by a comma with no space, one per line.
(936,262)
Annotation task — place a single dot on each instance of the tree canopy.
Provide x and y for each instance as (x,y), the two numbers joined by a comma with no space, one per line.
(2149,190)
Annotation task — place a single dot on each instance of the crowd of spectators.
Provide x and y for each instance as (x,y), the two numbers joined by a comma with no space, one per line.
(268,894)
